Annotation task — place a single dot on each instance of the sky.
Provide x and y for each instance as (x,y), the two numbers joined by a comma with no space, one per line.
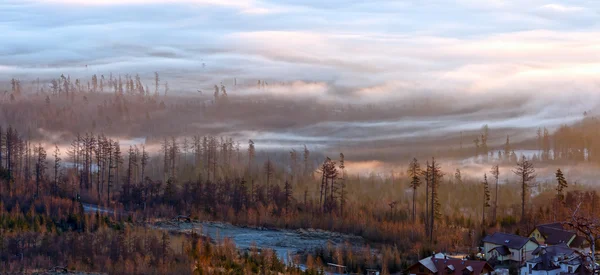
(368,50)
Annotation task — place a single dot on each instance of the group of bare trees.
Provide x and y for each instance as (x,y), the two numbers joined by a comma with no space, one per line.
(332,189)
(120,85)
(504,153)
(571,210)
(96,162)
(575,143)
(20,159)
(525,171)
(433,177)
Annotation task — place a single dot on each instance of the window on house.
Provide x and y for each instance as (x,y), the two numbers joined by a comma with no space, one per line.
(530,268)
(421,268)
(570,269)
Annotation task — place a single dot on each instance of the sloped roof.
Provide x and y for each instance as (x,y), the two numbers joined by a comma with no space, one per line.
(502,250)
(545,263)
(441,265)
(554,233)
(428,263)
(578,242)
(555,225)
(509,240)
(474,266)
(554,250)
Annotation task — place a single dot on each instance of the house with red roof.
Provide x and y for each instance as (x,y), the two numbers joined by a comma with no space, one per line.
(441,264)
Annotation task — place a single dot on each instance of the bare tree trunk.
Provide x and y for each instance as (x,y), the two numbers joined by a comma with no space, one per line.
(414,209)
(432,200)
(321,203)
(427,199)
(496,199)
(523,199)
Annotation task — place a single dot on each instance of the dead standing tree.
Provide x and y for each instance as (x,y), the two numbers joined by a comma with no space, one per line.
(589,227)
(496,173)
(526,173)
(329,174)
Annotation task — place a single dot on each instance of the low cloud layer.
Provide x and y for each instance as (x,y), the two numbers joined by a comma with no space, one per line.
(377,51)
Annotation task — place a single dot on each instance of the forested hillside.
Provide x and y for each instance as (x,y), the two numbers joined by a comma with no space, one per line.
(149,154)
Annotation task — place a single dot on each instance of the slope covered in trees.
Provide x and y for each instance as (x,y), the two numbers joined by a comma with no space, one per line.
(183,168)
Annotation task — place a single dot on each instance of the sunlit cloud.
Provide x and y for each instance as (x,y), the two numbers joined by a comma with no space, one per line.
(561,8)
(310,49)
(243,6)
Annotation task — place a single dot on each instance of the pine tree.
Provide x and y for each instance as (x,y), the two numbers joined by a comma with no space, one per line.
(486,197)
(28,151)
(332,175)
(169,191)
(458,176)
(144,162)
(223,91)
(477,147)
(496,173)
(343,192)
(484,139)
(111,166)
(546,145)
(102,84)
(251,154)
(186,146)
(130,165)
(156,83)
(427,176)
(213,156)
(1,148)
(414,173)
(507,149)
(94,83)
(562,184)
(293,162)
(216,94)
(9,151)
(539,140)
(118,160)
(57,160)
(40,168)
(288,196)
(99,164)
(165,243)
(323,190)
(269,169)
(436,177)
(173,156)
(306,160)
(559,198)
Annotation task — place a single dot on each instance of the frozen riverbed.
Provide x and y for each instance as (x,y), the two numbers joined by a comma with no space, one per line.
(285,243)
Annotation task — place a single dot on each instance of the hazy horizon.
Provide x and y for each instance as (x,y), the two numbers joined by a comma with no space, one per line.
(430,70)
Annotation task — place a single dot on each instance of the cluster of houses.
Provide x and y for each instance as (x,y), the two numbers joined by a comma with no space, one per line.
(549,249)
